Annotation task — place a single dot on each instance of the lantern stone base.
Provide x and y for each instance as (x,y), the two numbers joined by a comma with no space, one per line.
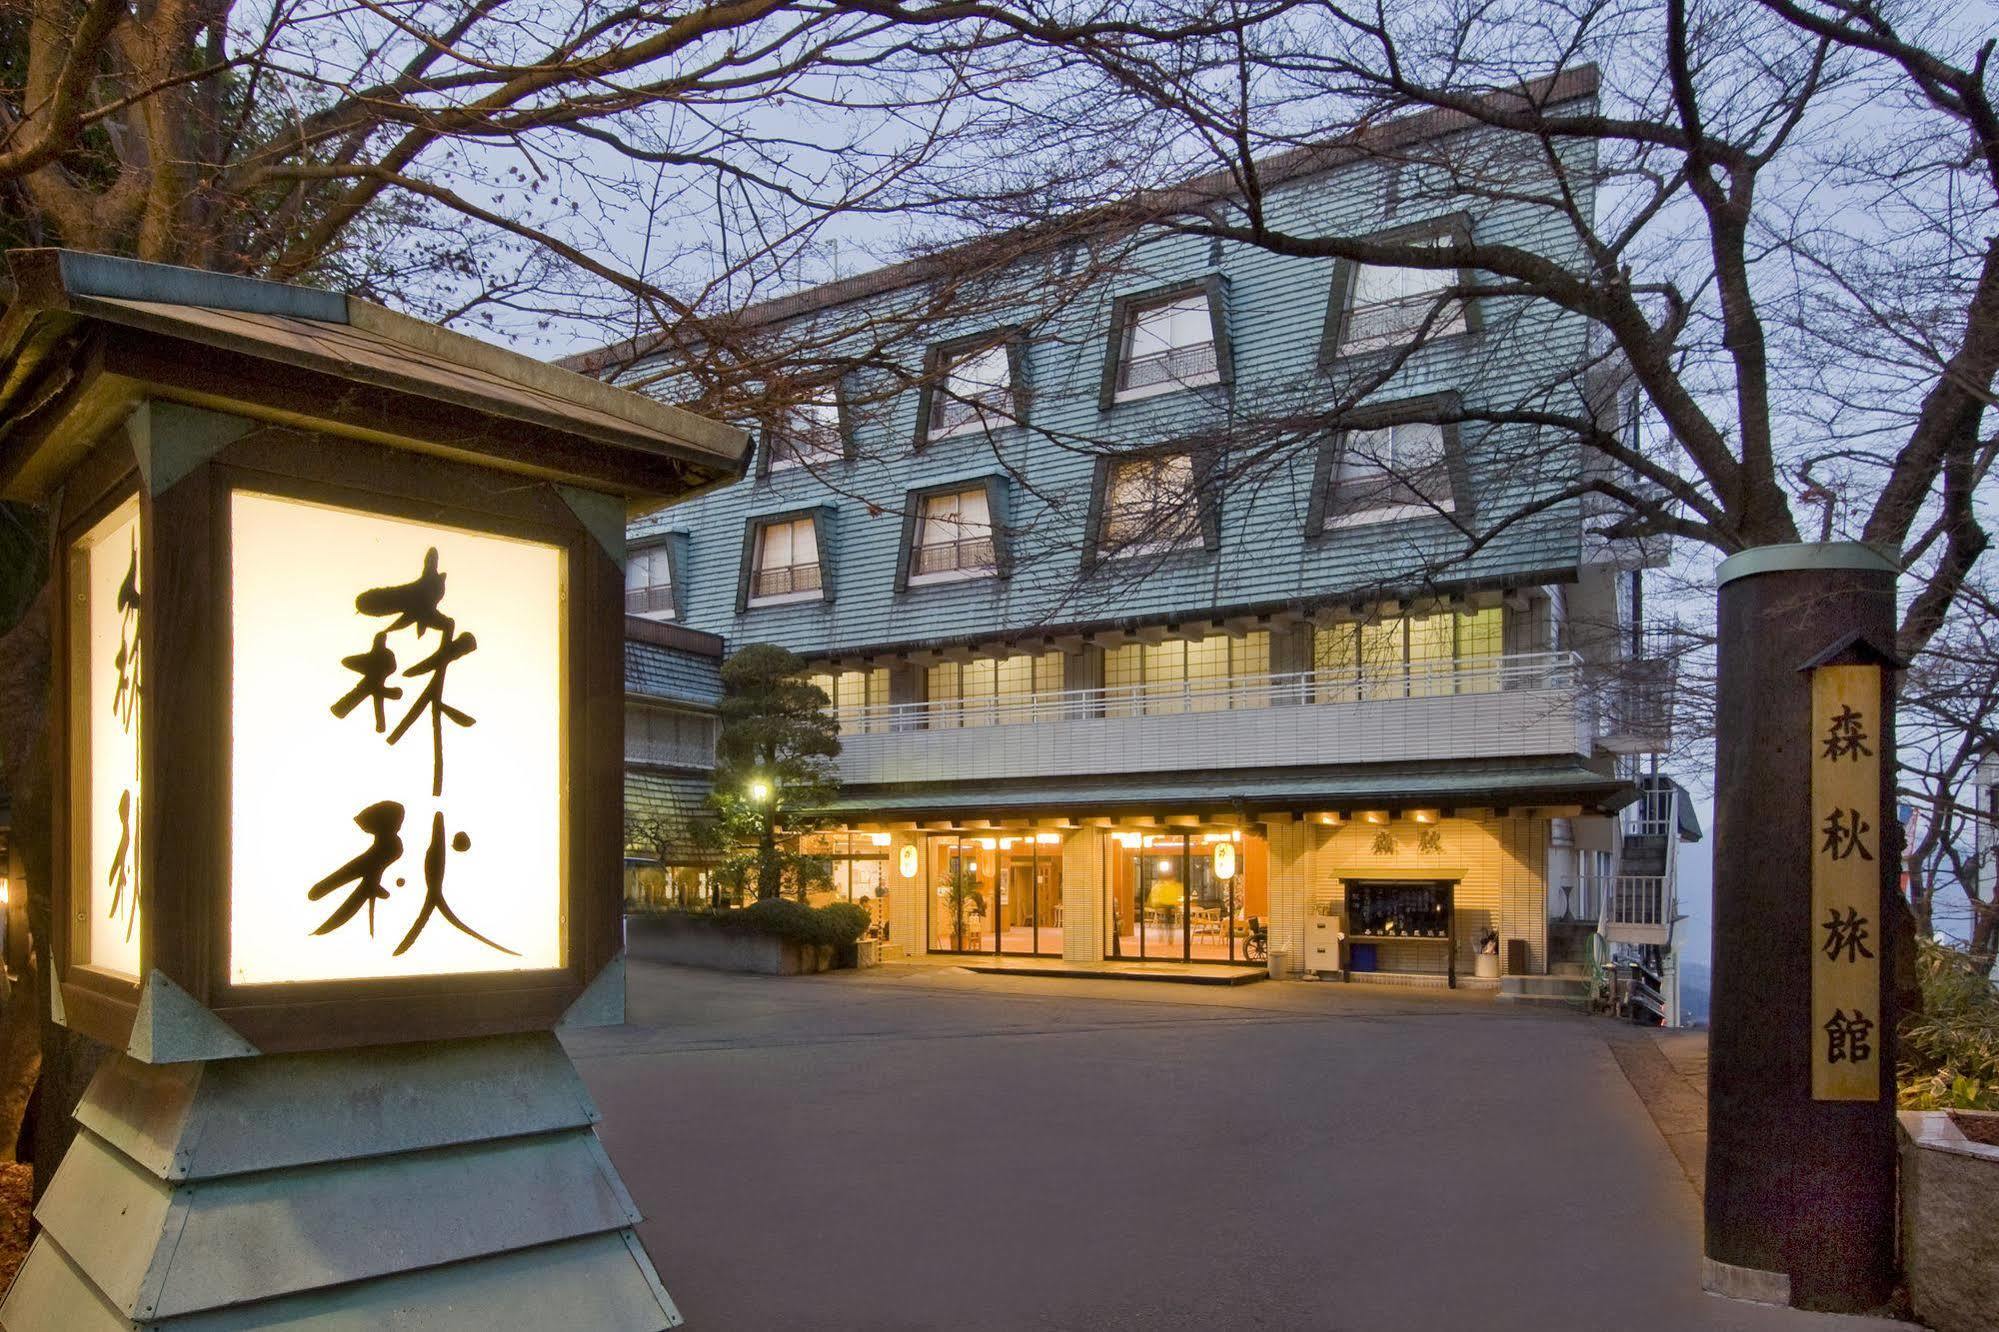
(456,1184)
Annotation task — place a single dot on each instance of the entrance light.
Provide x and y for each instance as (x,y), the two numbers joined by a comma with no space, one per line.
(760,790)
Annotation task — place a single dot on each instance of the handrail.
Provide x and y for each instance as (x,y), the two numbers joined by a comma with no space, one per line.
(1478,675)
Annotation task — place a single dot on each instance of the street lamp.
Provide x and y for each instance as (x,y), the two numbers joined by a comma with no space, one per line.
(760,791)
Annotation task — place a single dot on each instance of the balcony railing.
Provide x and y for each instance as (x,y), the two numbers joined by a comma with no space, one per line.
(1637,899)
(648,600)
(966,553)
(1174,365)
(1445,679)
(785,580)
(1498,708)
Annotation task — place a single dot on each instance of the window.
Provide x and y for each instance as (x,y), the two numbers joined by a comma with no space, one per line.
(954,537)
(1168,345)
(809,435)
(649,583)
(1410,656)
(1150,505)
(1197,675)
(1388,307)
(787,563)
(849,692)
(995,690)
(1391,471)
(975,390)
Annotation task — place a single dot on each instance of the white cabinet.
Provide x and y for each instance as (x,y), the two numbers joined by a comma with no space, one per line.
(1322,943)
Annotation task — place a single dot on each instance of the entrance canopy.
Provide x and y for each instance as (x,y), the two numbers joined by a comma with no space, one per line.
(1250,792)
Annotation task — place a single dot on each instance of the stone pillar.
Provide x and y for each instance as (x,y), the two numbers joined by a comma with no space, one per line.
(1083,896)
(1294,863)
(1800,1190)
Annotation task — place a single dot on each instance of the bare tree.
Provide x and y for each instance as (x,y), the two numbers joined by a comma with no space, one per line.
(1949,726)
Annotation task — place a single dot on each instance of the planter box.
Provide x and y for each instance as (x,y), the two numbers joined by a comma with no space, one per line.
(716,945)
(1950,1213)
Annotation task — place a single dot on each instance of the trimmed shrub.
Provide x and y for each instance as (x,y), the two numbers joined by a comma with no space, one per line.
(844,922)
(836,925)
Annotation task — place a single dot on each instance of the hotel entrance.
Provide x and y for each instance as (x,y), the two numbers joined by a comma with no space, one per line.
(1185,897)
(998,892)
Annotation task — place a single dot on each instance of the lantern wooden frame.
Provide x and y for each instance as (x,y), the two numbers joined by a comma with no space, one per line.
(185,756)
(182,388)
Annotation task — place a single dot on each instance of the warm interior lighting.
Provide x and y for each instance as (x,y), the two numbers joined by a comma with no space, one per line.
(1423,815)
(106,716)
(1006,843)
(1375,816)
(1048,838)
(462,814)
(1165,865)
(5,892)
(1126,839)
(988,844)
(880,839)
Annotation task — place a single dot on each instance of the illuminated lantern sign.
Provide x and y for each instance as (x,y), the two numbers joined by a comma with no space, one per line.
(396,747)
(340,604)
(1224,859)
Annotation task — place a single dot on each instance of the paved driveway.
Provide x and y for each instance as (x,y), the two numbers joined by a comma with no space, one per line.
(917,1147)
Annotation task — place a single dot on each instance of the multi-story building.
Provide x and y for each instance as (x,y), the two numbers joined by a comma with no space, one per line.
(1166,602)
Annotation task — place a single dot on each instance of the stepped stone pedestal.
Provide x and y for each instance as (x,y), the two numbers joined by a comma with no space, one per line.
(447,1185)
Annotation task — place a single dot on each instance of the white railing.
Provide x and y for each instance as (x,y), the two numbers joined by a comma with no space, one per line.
(1655,813)
(1472,676)
(1637,899)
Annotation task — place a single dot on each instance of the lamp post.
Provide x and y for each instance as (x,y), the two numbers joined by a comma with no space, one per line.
(337,741)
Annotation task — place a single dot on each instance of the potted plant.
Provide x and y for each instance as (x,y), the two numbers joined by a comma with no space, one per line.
(962,896)
(1485,965)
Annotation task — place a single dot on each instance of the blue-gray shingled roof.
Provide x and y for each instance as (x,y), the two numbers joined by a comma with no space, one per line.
(669,801)
(664,672)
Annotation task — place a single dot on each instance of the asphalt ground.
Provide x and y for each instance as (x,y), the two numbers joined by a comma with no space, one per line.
(918,1147)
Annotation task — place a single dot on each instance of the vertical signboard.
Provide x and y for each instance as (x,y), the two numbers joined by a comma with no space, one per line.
(1846,883)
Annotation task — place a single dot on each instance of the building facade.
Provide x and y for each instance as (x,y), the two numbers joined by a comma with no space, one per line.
(1173,604)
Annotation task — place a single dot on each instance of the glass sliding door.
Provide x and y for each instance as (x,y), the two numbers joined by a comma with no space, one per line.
(1181,897)
(998,893)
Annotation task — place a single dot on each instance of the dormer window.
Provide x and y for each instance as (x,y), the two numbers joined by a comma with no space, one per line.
(1150,505)
(975,391)
(1167,346)
(1392,471)
(808,435)
(786,566)
(649,583)
(1166,339)
(954,537)
(1377,307)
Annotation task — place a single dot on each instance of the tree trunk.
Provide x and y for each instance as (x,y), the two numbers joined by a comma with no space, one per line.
(770,872)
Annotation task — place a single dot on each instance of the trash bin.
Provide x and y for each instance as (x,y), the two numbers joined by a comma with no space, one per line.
(1280,963)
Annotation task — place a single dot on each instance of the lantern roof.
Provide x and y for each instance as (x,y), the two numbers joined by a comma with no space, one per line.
(84,338)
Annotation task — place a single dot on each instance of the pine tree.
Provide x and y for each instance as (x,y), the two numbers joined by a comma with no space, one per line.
(774,773)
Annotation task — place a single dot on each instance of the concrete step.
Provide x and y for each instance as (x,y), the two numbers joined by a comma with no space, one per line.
(1560,991)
